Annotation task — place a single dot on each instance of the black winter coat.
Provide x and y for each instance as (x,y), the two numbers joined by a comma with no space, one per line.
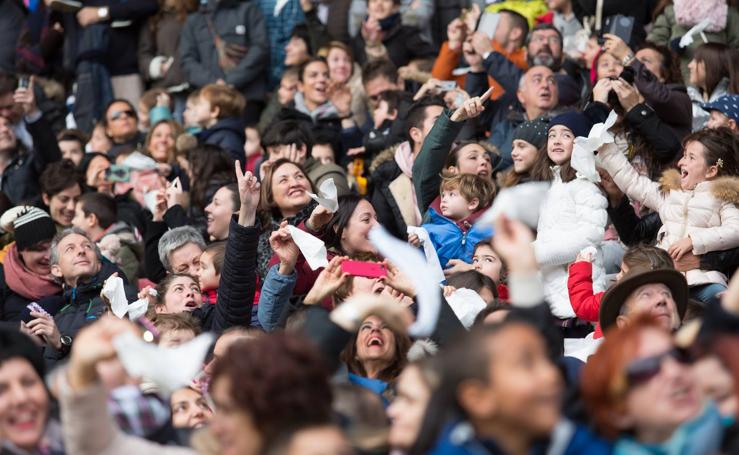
(403,43)
(228,134)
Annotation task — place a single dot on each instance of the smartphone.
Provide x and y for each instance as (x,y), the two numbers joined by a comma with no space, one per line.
(365,269)
(23,82)
(621,26)
(447,86)
(488,24)
(118,173)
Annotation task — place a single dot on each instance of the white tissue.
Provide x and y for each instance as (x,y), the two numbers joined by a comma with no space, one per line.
(150,200)
(432,259)
(466,304)
(583,152)
(312,248)
(114,292)
(169,368)
(413,264)
(687,39)
(327,196)
(520,202)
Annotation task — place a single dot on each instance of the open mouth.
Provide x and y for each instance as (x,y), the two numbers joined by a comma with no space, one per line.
(375,341)
(190,305)
(684,173)
(23,421)
(545,95)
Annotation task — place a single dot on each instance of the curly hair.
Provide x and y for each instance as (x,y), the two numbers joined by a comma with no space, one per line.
(279,380)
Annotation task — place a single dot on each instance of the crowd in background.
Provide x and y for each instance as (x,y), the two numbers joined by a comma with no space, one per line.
(262,175)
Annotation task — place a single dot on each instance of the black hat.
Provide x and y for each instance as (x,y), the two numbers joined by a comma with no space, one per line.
(577,122)
(532,131)
(614,299)
(14,344)
(31,226)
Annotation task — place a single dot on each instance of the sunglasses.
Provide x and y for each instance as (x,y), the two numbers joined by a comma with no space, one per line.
(642,370)
(118,114)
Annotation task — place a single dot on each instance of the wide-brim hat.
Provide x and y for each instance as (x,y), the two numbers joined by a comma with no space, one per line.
(614,299)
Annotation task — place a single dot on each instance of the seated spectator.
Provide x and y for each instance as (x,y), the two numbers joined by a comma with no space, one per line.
(379,76)
(298,48)
(121,127)
(176,329)
(711,77)
(72,145)
(160,144)
(190,409)
(97,215)
(724,112)
(99,140)
(528,139)
(180,250)
(219,114)
(61,186)
(218,213)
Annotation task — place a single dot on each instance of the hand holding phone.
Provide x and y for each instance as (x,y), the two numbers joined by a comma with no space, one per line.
(364,269)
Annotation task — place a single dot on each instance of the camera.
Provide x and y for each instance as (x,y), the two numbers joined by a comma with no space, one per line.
(628,75)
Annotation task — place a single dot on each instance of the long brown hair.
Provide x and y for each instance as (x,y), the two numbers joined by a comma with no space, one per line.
(267,205)
(390,372)
(176,131)
(542,169)
(717,59)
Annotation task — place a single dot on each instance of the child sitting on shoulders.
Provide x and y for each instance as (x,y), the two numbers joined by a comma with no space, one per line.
(463,199)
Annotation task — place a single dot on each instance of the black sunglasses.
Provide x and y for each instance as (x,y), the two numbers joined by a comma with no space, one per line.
(642,370)
(118,114)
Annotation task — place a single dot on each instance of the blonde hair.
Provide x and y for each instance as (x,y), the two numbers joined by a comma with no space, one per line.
(230,102)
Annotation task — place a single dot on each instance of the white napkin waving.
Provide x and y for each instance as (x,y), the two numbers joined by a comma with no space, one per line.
(116,295)
(412,263)
(520,202)
(432,259)
(327,196)
(311,247)
(687,39)
(466,304)
(583,152)
(169,368)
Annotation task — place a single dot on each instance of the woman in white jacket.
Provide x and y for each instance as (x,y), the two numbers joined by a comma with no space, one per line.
(698,206)
(572,217)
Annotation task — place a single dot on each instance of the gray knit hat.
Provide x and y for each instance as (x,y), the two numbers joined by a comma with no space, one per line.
(533,131)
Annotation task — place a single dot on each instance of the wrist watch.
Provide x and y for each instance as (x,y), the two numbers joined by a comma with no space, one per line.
(628,59)
(103,12)
(66,342)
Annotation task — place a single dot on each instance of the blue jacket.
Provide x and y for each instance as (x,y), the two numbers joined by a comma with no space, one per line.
(228,134)
(450,240)
(458,438)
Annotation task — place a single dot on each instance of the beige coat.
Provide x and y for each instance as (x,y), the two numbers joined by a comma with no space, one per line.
(708,214)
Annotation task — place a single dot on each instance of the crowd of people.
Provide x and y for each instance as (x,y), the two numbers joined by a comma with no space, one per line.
(369,227)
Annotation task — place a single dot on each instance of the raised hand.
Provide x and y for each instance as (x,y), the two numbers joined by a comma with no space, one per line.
(628,95)
(25,97)
(248,194)
(328,281)
(456,32)
(616,46)
(471,108)
(398,281)
(456,266)
(43,326)
(285,248)
(319,217)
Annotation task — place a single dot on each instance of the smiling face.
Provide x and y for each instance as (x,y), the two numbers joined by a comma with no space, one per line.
(539,89)
(407,410)
(218,213)
(355,236)
(77,259)
(473,159)
(189,409)
(61,205)
(290,189)
(183,295)
(523,155)
(693,166)
(339,65)
(36,258)
(314,84)
(656,406)
(560,141)
(375,342)
(162,142)
(608,66)
(654,299)
(380,9)
(24,404)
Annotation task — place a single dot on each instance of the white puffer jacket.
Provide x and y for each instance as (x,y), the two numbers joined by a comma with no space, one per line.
(572,217)
(708,214)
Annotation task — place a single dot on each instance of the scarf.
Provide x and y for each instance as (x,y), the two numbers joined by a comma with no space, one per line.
(25,283)
(404,158)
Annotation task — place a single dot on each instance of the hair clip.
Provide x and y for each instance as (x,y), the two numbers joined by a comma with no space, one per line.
(720,162)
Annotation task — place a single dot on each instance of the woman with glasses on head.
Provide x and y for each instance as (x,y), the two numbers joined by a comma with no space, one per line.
(640,390)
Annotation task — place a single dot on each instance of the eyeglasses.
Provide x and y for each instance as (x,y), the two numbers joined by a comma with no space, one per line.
(551,40)
(118,114)
(642,370)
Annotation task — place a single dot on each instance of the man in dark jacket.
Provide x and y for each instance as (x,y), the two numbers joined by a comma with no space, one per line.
(227,41)
(20,168)
(77,262)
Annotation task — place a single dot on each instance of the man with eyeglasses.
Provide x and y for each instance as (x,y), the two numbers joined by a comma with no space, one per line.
(121,126)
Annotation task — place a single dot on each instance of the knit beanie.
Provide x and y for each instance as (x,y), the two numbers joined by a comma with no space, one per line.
(31,227)
(532,131)
(577,122)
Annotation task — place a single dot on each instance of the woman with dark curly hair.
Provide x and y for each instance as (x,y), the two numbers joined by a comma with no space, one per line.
(261,388)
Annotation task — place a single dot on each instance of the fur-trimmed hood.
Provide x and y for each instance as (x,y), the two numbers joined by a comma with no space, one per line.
(384,156)
(723,188)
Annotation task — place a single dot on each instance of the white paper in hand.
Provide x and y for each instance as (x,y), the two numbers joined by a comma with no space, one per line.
(150,200)
(432,259)
(116,295)
(466,304)
(311,247)
(169,368)
(687,39)
(583,152)
(412,263)
(327,195)
(520,202)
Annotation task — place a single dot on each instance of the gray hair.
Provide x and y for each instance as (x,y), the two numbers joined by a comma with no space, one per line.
(175,239)
(54,256)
